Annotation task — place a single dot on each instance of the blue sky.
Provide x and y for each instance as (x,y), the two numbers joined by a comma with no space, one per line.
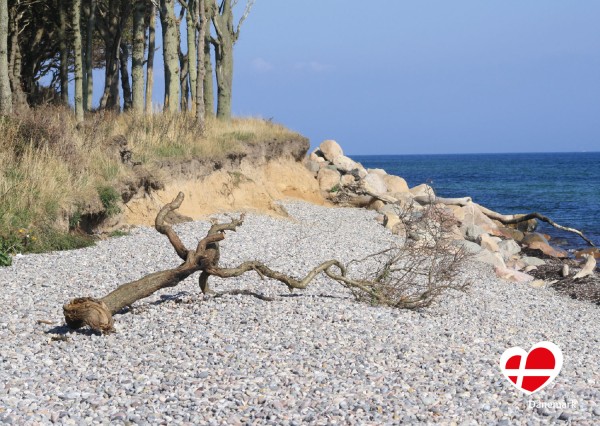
(426,76)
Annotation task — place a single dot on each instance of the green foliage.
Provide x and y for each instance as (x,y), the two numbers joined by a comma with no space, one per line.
(118,233)
(336,188)
(109,198)
(51,239)
(20,241)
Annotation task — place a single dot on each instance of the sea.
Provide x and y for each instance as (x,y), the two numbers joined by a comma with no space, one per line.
(563,186)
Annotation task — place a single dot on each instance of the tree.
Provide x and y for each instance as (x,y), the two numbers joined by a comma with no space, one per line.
(137,63)
(170,33)
(76,15)
(5,92)
(151,23)
(201,23)
(89,8)
(63,10)
(227,35)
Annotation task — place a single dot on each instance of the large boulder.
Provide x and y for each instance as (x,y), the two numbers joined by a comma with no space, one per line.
(344,164)
(513,275)
(526,226)
(486,256)
(380,172)
(490,243)
(422,190)
(474,216)
(330,149)
(533,237)
(548,250)
(347,180)
(328,179)
(313,166)
(314,156)
(472,232)
(374,183)
(532,261)
(508,248)
(579,254)
(395,183)
(513,234)
(468,246)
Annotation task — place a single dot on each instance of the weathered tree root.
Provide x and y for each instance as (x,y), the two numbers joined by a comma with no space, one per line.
(98,313)
(506,219)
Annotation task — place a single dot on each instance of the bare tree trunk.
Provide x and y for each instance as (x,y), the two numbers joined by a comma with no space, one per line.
(64,51)
(150,63)
(15,62)
(78,60)
(137,64)
(125,85)
(201,22)
(88,78)
(192,45)
(5,91)
(170,31)
(209,93)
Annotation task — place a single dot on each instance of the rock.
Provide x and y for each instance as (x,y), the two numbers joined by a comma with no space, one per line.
(538,284)
(374,183)
(527,226)
(548,250)
(328,179)
(330,149)
(406,201)
(344,164)
(316,156)
(532,237)
(391,220)
(379,172)
(508,248)
(486,256)
(380,219)
(399,229)
(395,184)
(514,262)
(468,246)
(489,243)
(512,275)
(592,250)
(360,201)
(504,232)
(474,216)
(472,232)
(313,166)
(347,180)
(532,261)
(422,190)
(454,233)
(376,205)
(458,213)
(530,268)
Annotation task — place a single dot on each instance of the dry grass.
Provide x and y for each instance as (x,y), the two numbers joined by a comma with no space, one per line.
(51,168)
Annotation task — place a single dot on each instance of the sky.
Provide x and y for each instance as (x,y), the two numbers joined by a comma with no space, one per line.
(426,76)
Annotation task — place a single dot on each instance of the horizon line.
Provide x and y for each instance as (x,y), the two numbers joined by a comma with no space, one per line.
(480,153)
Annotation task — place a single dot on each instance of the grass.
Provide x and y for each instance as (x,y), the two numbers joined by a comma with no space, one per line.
(51,168)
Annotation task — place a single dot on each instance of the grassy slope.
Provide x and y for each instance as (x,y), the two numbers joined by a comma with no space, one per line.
(50,169)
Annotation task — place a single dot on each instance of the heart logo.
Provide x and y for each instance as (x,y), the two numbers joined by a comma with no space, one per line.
(533,371)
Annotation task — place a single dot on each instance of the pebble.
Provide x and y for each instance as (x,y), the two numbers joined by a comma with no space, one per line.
(312,356)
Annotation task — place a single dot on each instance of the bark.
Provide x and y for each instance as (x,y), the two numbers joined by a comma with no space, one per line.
(111,32)
(76,15)
(15,62)
(207,82)
(137,64)
(5,90)
(202,24)
(125,85)
(64,51)
(150,62)
(170,31)
(192,46)
(88,81)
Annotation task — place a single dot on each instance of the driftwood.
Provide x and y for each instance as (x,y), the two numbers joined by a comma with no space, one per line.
(506,219)
(410,278)
(588,267)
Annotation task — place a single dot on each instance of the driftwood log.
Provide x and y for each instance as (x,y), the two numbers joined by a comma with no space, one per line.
(410,278)
(506,219)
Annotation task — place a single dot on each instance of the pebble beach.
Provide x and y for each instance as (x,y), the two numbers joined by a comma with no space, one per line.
(310,357)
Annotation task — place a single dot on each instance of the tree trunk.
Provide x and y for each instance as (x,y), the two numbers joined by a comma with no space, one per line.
(5,91)
(64,51)
(150,63)
(201,21)
(78,60)
(170,32)
(15,62)
(207,83)
(137,63)
(88,81)
(192,46)
(125,85)
(224,73)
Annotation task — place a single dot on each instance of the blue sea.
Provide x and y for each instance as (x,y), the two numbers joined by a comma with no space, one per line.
(562,186)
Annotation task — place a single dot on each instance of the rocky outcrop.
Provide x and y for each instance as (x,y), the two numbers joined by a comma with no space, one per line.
(346,182)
